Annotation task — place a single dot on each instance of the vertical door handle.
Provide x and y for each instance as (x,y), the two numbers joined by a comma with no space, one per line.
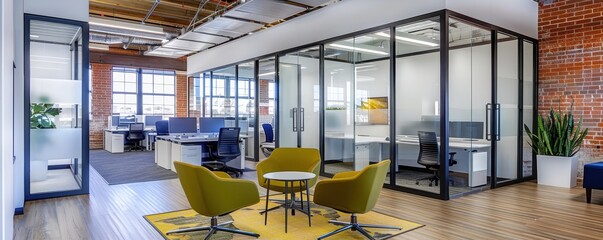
(294,116)
(302,120)
(488,130)
(497,112)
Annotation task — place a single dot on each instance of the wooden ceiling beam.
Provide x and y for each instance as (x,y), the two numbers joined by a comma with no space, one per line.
(142,9)
(128,15)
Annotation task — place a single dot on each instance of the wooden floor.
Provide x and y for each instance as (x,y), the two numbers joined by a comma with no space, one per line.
(522,211)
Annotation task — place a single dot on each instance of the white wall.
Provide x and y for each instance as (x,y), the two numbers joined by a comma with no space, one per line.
(6,119)
(355,15)
(67,9)
(19,139)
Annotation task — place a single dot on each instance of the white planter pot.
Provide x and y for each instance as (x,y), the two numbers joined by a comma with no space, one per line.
(557,171)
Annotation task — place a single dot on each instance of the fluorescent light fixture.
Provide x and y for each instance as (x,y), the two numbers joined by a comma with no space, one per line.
(125,25)
(266,74)
(407,39)
(358,49)
(33,36)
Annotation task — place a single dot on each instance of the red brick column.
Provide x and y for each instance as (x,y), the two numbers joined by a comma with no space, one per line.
(181,95)
(101,103)
(571,65)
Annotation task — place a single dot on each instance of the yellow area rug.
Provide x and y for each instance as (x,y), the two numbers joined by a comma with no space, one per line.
(249,219)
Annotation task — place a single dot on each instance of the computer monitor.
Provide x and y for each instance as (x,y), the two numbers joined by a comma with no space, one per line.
(114,121)
(124,121)
(211,125)
(150,121)
(137,127)
(182,125)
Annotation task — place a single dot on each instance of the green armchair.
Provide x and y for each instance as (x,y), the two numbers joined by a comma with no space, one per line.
(215,194)
(353,192)
(289,159)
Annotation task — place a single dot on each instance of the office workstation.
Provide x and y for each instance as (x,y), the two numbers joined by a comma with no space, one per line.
(187,143)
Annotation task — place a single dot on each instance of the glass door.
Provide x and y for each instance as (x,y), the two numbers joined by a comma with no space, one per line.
(56,135)
(299,99)
(507,108)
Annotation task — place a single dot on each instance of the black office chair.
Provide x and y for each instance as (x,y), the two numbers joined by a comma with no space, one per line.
(268,146)
(429,153)
(135,135)
(226,150)
(162,128)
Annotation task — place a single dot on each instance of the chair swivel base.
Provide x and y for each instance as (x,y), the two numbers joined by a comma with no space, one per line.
(355,226)
(432,179)
(221,166)
(213,229)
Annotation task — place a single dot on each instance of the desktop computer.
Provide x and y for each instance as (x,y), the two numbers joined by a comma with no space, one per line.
(182,126)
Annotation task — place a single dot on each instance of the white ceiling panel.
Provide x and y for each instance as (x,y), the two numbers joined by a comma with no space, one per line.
(228,27)
(202,37)
(187,45)
(312,3)
(266,11)
(167,52)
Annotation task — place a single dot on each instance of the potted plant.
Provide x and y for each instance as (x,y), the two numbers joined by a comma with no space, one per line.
(556,140)
(42,119)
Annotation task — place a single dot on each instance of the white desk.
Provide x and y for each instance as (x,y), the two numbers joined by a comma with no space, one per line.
(472,156)
(114,139)
(190,150)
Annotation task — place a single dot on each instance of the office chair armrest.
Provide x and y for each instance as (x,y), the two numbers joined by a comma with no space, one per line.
(222,174)
(336,192)
(234,194)
(262,168)
(345,174)
(451,155)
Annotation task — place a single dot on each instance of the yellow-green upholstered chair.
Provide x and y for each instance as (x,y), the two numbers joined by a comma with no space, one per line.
(215,194)
(289,159)
(353,192)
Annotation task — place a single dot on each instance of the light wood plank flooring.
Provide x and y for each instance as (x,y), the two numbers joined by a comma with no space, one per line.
(522,211)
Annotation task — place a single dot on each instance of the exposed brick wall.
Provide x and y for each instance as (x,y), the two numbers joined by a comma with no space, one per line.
(571,65)
(181,95)
(102,100)
(101,103)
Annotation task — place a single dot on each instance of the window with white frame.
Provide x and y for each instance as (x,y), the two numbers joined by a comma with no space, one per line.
(124,88)
(158,92)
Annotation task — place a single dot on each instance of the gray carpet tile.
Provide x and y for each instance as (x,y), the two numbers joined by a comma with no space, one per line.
(128,167)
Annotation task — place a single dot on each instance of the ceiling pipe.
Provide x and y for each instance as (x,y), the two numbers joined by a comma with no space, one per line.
(151,11)
(127,44)
(201,6)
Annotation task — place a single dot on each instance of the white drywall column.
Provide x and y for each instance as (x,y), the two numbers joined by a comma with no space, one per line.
(6,119)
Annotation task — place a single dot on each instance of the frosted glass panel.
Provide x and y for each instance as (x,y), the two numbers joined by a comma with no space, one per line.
(50,61)
(55,91)
(59,143)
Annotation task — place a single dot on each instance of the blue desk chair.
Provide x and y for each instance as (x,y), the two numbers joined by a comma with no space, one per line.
(135,136)
(268,146)
(162,128)
(226,150)
(593,178)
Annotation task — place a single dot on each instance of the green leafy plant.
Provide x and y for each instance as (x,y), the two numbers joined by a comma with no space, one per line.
(556,134)
(41,114)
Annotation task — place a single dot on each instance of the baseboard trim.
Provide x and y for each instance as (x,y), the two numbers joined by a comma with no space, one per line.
(19,211)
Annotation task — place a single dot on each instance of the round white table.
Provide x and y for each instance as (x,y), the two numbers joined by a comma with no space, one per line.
(289,177)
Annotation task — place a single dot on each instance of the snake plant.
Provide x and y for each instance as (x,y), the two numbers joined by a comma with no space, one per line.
(556,134)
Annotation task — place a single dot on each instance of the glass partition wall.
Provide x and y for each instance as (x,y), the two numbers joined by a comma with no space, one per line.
(443,96)
(56,107)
